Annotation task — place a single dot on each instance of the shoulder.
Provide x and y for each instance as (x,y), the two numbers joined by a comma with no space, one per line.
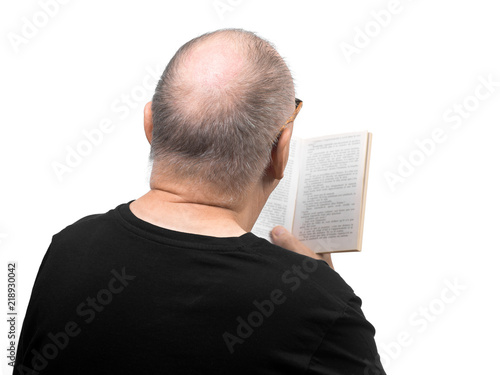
(85,226)
(310,279)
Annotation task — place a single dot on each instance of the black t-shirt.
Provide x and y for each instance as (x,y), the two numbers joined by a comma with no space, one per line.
(118,295)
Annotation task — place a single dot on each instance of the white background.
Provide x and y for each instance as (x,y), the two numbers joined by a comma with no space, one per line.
(437,227)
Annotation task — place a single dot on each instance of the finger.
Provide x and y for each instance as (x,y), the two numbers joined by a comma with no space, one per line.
(281,237)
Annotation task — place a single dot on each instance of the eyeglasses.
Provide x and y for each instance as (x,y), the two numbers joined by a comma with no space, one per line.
(298,106)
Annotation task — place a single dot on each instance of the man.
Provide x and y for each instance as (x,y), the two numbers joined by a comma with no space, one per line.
(174,282)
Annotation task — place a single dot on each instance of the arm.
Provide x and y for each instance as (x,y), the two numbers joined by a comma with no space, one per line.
(348,345)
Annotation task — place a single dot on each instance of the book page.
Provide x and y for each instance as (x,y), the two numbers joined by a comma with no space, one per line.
(280,206)
(328,210)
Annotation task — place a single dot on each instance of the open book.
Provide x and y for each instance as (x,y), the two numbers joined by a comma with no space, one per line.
(321,199)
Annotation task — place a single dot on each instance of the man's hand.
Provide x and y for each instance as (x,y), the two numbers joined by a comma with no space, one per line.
(281,237)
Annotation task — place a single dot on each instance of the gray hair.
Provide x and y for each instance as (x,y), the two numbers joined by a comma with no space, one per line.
(224,138)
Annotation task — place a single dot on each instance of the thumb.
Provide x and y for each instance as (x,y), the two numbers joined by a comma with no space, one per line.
(281,237)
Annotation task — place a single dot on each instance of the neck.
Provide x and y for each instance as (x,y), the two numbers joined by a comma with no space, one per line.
(175,208)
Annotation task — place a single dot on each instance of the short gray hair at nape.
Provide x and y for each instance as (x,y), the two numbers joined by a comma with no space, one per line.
(222,138)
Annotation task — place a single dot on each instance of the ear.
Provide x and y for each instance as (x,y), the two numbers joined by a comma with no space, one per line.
(279,155)
(148,122)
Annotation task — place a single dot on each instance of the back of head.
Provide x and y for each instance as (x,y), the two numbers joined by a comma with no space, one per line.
(217,110)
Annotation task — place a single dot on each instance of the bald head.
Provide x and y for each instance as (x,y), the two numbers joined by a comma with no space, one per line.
(217,109)
(212,70)
(214,64)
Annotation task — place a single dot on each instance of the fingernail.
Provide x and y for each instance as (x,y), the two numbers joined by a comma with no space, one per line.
(278,231)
